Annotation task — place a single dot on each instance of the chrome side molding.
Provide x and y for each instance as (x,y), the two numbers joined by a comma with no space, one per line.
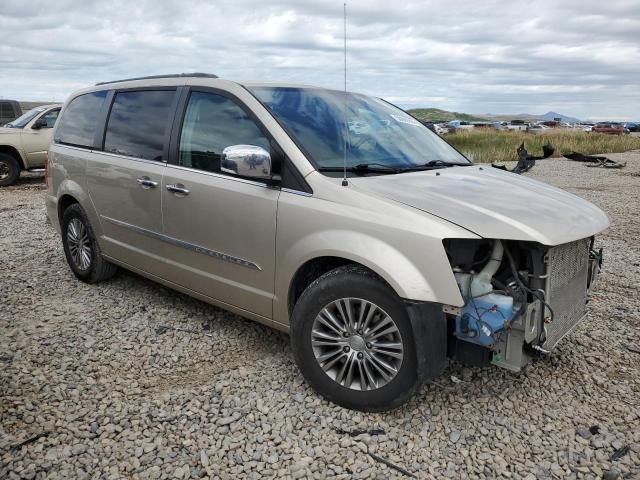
(181,243)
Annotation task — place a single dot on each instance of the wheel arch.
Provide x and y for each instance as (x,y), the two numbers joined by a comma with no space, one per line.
(313,269)
(13,152)
(64,202)
(70,192)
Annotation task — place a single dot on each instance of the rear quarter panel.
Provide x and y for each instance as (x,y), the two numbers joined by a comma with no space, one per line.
(67,176)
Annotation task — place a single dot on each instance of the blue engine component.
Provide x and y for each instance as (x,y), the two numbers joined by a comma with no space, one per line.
(483,317)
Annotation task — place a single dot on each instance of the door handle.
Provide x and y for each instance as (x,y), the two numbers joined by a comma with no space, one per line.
(178,189)
(146,182)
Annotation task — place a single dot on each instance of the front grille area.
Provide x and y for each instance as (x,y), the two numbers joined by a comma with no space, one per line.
(566,288)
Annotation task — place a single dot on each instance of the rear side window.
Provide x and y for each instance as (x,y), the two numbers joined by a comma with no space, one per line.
(139,124)
(78,123)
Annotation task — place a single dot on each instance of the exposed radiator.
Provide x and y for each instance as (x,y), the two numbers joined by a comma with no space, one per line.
(566,288)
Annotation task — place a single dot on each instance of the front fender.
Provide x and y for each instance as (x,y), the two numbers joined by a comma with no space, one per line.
(425,279)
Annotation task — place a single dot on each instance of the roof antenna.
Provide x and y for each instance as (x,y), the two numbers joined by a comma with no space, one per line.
(344,106)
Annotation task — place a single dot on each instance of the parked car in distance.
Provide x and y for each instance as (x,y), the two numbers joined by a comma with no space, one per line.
(518,127)
(460,125)
(441,128)
(610,128)
(9,110)
(24,142)
(236,194)
(632,126)
(537,129)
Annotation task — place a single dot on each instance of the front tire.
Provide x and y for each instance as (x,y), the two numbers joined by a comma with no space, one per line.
(81,248)
(352,339)
(9,170)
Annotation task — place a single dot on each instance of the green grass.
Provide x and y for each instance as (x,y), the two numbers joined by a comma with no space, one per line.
(437,115)
(487,145)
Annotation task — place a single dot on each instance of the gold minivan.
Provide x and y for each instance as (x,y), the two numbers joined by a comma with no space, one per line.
(334,216)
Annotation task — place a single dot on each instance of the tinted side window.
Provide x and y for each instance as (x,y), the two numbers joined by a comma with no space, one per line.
(211,123)
(78,124)
(138,123)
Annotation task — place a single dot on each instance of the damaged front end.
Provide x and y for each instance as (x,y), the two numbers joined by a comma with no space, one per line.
(520,297)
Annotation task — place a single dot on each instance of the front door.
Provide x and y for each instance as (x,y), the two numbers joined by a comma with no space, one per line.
(125,179)
(222,228)
(35,141)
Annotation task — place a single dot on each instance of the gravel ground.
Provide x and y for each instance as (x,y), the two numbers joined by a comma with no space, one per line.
(128,379)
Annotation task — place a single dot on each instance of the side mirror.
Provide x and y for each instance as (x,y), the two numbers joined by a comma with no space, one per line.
(40,123)
(247,161)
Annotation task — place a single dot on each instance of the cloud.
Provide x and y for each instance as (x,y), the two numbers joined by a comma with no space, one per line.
(577,57)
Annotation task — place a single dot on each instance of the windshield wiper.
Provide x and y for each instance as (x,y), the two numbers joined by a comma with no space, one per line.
(433,164)
(364,168)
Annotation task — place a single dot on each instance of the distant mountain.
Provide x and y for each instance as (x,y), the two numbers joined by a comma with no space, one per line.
(564,118)
(438,115)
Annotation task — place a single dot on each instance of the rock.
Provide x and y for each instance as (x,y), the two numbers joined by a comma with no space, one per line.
(454,436)
(611,474)
(78,449)
(226,421)
(584,433)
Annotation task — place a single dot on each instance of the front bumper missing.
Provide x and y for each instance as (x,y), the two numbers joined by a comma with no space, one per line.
(568,297)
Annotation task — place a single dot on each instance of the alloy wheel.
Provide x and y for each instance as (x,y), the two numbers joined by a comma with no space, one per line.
(5,171)
(357,344)
(79,244)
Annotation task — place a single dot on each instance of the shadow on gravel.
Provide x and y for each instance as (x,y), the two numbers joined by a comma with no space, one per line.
(27,182)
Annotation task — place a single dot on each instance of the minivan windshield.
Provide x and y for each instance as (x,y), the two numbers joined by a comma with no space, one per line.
(379,137)
(21,121)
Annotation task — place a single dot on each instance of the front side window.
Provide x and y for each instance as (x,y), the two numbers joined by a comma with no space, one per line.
(48,120)
(330,124)
(211,123)
(77,125)
(139,123)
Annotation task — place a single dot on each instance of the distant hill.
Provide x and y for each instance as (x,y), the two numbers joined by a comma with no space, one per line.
(437,115)
(528,117)
(29,105)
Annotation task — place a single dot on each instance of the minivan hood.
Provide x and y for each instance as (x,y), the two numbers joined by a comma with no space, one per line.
(492,203)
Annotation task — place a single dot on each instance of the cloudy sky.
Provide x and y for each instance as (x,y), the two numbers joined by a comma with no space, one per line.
(580,58)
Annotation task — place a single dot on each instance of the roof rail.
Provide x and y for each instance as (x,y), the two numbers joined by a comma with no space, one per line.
(170,75)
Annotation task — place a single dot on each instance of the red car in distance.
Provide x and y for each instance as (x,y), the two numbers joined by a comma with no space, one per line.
(611,128)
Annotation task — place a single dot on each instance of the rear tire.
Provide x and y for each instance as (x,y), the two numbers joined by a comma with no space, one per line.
(9,170)
(81,248)
(350,363)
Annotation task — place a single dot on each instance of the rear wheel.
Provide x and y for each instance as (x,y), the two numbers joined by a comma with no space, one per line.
(352,339)
(9,170)
(81,248)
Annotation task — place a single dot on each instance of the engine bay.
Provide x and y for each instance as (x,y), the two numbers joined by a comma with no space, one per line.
(506,287)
